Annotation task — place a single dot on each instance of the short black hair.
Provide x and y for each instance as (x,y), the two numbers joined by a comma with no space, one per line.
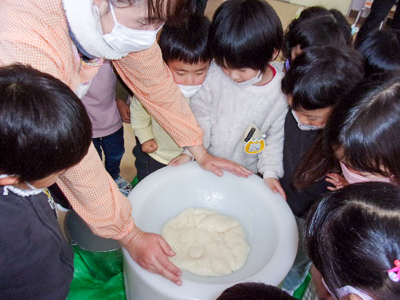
(186,41)
(44,127)
(320,76)
(352,238)
(317,26)
(254,291)
(245,34)
(381,50)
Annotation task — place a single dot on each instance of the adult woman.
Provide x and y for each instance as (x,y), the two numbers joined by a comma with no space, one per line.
(69,39)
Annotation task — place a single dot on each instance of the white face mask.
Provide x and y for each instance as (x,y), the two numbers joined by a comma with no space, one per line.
(303,126)
(125,40)
(347,290)
(254,80)
(189,90)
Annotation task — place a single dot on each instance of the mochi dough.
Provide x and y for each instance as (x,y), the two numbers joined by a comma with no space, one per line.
(206,242)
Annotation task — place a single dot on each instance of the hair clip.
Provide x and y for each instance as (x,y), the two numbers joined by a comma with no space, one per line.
(394,273)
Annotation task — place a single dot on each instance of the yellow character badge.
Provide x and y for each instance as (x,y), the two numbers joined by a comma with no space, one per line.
(254,140)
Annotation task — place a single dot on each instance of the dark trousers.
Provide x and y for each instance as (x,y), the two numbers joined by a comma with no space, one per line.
(144,163)
(201,6)
(379,11)
(113,148)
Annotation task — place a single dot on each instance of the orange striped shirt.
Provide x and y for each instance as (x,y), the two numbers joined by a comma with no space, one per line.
(35,32)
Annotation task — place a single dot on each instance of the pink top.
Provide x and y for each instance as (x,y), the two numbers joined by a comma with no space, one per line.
(100,102)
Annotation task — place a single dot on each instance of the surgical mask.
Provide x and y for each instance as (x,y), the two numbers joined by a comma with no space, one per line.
(254,80)
(125,40)
(347,290)
(189,90)
(303,126)
(352,177)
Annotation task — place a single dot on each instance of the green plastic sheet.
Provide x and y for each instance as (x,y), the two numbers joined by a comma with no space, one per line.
(95,280)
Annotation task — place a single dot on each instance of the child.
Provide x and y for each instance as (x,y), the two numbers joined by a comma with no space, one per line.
(185,51)
(316,81)
(253,291)
(241,107)
(38,142)
(352,238)
(105,112)
(362,134)
(315,26)
(381,50)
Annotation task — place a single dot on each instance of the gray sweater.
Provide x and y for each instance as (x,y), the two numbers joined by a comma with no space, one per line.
(224,109)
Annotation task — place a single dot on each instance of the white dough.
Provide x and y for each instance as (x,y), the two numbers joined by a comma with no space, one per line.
(206,243)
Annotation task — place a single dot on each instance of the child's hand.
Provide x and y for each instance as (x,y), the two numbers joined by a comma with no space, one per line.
(275,186)
(124,110)
(180,160)
(337,180)
(149,146)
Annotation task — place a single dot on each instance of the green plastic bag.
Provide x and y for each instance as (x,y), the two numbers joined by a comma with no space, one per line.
(97,275)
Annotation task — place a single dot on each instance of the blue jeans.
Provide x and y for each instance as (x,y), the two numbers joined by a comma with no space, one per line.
(113,148)
(301,264)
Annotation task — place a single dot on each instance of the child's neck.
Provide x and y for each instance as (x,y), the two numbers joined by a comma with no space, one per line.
(267,76)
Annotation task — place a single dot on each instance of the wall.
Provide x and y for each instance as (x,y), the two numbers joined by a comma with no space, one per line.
(342,5)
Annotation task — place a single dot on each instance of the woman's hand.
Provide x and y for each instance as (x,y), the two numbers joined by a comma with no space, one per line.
(216,164)
(275,186)
(149,146)
(180,160)
(151,252)
(337,180)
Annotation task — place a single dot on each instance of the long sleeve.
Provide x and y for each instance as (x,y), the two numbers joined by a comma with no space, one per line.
(270,162)
(150,80)
(46,46)
(141,121)
(202,105)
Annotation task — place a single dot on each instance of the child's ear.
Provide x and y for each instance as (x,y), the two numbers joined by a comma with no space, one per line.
(10,180)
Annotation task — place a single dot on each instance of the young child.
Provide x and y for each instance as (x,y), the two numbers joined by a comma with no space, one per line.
(185,50)
(38,142)
(107,114)
(254,291)
(363,134)
(352,238)
(241,107)
(316,81)
(381,50)
(315,26)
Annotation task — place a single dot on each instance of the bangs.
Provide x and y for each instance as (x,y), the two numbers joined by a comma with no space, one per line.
(169,10)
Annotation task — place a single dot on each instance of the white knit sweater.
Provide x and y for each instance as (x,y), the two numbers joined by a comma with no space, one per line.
(224,109)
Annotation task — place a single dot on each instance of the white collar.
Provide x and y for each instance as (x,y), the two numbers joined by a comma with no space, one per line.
(84,21)
(21,192)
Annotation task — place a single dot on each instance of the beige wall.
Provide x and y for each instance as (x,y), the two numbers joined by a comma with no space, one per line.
(342,5)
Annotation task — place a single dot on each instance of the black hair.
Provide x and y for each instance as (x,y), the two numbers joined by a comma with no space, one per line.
(245,34)
(44,127)
(321,76)
(317,26)
(381,50)
(186,41)
(352,238)
(365,127)
(254,291)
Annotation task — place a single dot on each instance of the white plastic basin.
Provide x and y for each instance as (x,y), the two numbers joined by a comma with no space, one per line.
(266,218)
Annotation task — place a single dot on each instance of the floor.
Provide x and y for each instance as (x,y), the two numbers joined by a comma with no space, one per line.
(286,12)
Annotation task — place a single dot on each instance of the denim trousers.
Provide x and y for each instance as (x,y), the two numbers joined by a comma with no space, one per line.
(113,147)
(301,264)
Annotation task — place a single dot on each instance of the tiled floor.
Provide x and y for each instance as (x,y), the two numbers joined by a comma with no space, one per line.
(286,12)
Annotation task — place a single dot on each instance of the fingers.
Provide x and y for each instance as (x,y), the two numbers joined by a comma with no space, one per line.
(170,271)
(281,191)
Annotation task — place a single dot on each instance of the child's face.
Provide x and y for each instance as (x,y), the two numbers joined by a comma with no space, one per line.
(315,117)
(240,75)
(187,74)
